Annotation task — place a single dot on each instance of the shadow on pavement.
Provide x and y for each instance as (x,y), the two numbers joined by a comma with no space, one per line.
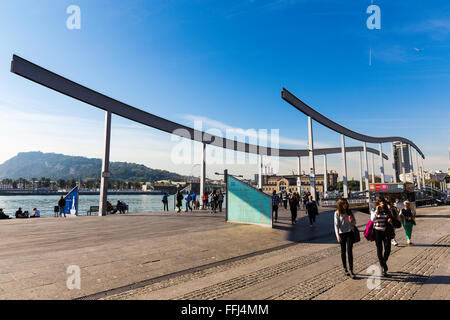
(407,277)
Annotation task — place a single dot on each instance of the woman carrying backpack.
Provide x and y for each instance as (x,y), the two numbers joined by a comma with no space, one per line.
(407,220)
(344,222)
(382,219)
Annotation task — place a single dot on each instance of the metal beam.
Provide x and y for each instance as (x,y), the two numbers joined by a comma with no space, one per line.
(310,112)
(72,89)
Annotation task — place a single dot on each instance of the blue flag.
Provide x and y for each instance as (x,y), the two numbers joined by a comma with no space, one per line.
(72,202)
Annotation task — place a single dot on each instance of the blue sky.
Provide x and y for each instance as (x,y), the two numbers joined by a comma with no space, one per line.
(225,62)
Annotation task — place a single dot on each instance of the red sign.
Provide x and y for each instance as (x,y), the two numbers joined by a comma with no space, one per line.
(372,187)
(378,187)
(384,186)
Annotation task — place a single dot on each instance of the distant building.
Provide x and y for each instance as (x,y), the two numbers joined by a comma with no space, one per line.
(401,153)
(289,182)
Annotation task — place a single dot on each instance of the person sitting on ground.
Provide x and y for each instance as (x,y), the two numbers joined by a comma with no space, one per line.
(109,207)
(3,215)
(37,213)
(20,214)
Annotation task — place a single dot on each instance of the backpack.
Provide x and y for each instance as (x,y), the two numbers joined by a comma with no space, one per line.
(369,233)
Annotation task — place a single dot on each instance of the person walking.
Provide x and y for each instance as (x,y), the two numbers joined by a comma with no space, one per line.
(408,221)
(275,203)
(205,201)
(193,200)
(381,217)
(284,196)
(344,222)
(220,200)
(179,201)
(61,205)
(293,203)
(305,199)
(188,201)
(395,219)
(214,201)
(311,210)
(165,202)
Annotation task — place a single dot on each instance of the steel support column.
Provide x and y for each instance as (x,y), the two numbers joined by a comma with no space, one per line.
(325,175)
(312,169)
(360,173)
(419,182)
(260,172)
(411,166)
(203,174)
(373,168)
(105,166)
(382,163)
(299,169)
(344,167)
(393,163)
(366,168)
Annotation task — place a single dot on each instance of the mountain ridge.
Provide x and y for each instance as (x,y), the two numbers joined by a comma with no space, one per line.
(36,164)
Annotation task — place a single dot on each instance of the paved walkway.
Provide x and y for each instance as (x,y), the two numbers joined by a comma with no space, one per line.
(199,256)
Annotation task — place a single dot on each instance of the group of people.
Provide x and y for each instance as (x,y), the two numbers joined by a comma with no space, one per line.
(386,216)
(120,207)
(213,200)
(294,200)
(21,214)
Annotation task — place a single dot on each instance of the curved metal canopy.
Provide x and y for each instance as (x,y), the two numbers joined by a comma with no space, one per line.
(303,107)
(67,87)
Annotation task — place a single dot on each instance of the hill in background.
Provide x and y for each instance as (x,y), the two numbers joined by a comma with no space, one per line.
(58,166)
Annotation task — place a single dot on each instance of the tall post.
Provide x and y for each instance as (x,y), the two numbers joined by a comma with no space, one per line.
(325,174)
(373,168)
(393,164)
(299,168)
(382,163)
(360,173)
(344,167)
(402,163)
(312,169)
(419,182)
(105,166)
(423,175)
(260,172)
(411,166)
(203,174)
(366,171)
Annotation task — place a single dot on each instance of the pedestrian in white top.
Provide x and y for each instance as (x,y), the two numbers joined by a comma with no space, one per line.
(344,222)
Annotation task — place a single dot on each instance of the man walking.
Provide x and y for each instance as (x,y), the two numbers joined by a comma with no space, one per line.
(61,205)
(275,202)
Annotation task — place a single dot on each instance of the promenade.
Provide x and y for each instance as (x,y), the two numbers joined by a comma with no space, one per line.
(199,256)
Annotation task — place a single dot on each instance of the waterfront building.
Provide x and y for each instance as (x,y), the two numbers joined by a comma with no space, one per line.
(288,183)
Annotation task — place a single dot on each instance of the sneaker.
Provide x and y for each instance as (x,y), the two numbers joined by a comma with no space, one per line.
(394,242)
(346,272)
(352,275)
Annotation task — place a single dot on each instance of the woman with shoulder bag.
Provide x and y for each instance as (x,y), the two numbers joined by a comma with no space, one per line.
(382,220)
(344,224)
(407,221)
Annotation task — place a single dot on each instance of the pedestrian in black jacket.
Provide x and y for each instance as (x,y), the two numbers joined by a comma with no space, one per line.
(312,210)
(61,205)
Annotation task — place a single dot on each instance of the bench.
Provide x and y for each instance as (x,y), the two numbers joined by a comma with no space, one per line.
(92,209)
(96,209)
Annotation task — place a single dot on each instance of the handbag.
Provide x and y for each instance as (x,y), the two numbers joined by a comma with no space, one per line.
(369,234)
(356,236)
